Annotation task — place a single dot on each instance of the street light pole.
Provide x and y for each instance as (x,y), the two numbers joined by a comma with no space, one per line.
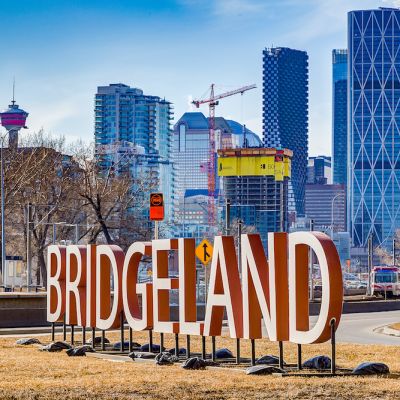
(3,231)
(332,204)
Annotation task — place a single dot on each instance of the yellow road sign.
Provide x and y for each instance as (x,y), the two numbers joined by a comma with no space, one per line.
(204,252)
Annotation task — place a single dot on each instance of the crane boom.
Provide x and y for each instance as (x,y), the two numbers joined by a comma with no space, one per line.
(222,95)
(212,102)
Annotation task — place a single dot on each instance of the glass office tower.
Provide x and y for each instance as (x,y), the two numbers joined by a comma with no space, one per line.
(374,125)
(133,130)
(339,116)
(285,113)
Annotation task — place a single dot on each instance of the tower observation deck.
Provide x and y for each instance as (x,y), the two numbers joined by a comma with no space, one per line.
(13,119)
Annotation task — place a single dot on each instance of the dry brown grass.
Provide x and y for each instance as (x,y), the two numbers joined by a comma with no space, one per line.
(26,373)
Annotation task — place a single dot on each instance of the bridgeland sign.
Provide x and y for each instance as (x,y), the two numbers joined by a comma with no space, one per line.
(274,289)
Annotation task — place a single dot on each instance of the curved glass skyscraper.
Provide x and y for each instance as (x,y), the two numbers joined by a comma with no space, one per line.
(374,125)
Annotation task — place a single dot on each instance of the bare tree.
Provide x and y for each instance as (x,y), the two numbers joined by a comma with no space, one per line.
(113,197)
(40,174)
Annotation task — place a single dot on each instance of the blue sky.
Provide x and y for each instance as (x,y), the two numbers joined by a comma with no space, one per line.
(60,51)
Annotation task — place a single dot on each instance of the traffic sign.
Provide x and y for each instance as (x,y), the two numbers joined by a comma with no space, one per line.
(204,252)
(156,206)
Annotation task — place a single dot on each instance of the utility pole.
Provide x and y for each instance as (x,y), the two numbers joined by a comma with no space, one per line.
(394,251)
(227,217)
(3,230)
(311,265)
(28,245)
(370,261)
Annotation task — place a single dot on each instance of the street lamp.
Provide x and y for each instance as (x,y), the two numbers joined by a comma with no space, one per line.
(332,204)
(3,230)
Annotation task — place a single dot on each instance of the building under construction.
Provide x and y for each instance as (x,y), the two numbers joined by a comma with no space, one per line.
(255,180)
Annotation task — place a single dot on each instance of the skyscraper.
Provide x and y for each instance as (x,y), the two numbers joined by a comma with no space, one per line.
(285,113)
(255,180)
(191,149)
(319,170)
(339,116)
(374,125)
(135,127)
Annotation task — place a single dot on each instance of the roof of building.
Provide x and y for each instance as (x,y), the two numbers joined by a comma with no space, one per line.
(197,120)
(253,140)
(194,120)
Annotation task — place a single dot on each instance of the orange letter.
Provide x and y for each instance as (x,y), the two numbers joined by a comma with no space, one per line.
(224,290)
(265,287)
(108,258)
(332,286)
(187,289)
(137,319)
(162,285)
(75,312)
(55,283)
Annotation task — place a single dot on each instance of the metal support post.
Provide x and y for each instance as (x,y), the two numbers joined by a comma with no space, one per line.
(72,334)
(150,340)
(94,338)
(103,342)
(280,354)
(253,352)
(122,331)
(83,335)
(237,351)
(161,342)
(213,356)
(203,348)
(64,330)
(176,344)
(299,362)
(53,331)
(130,349)
(333,345)
(187,346)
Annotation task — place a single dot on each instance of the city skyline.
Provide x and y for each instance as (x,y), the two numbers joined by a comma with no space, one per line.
(58,48)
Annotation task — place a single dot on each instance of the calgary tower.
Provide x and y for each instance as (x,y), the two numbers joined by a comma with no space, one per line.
(13,119)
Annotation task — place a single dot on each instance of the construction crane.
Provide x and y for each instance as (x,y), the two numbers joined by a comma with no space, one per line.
(212,102)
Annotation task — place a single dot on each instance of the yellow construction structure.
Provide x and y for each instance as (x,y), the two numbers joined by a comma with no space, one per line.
(255,162)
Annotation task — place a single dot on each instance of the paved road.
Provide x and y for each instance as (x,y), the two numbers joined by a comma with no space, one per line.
(359,328)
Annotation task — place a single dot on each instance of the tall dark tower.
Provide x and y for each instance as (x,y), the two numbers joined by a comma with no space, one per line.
(285,113)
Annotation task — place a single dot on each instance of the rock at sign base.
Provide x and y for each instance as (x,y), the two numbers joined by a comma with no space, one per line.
(268,360)
(182,351)
(165,359)
(371,368)
(117,346)
(97,340)
(263,370)
(318,362)
(80,351)
(194,363)
(223,353)
(56,346)
(27,341)
(155,348)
